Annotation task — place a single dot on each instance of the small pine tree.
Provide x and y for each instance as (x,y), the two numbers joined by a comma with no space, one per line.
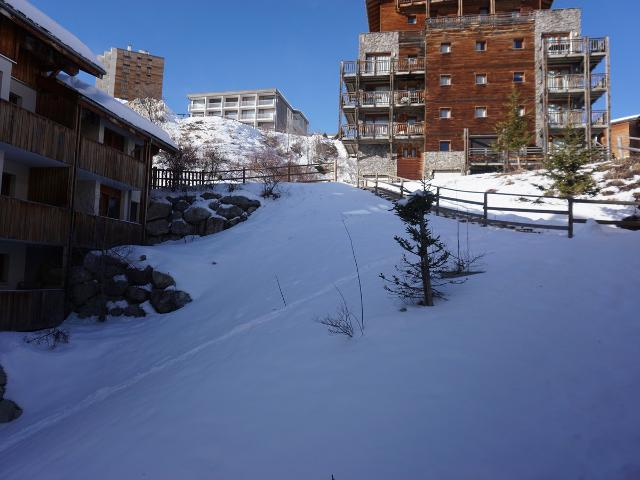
(513,132)
(419,275)
(565,166)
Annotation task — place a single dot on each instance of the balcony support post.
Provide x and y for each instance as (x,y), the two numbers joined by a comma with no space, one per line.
(607,60)
(428,7)
(587,90)
(492,7)
(460,8)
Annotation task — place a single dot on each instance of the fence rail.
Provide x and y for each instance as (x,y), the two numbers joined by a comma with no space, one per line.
(30,310)
(171,179)
(395,186)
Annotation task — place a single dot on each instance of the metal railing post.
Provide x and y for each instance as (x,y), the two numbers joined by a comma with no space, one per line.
(244,175)
(570,226)
(402,188)
(376,188)
(437,201)
(485,217)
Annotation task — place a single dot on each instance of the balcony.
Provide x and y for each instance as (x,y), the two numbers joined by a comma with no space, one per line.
(382,99)
(103,233)
(383,67)
(111,163)
(34,133)
(576,83)
(33,222)
(382,131)
(466,21)
(30,310)
(577,119)
(404,98)
(561,48)
(408,130)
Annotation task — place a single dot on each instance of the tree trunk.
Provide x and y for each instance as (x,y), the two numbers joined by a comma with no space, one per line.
(425,269)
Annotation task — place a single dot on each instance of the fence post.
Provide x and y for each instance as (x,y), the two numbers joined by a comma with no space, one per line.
(376,189)
(402,188)
(244,175)
(437,201)
(289,173)
(570,201)
(335,170)
(485,217)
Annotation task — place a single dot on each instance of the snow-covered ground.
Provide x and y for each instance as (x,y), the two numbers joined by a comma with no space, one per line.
(524,189)
(528,371)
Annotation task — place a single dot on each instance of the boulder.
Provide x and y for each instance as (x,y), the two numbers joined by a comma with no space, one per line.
(195,215)
(116,312)
(229,211)
(115,288)
(239,201)
(233,222)
(139,277)
(250,210)
(157,228)
(161,281)
(181,228)
(82,292)
(175,215)
(134,311)
(93,262)
(187,198)
(167,301)
(181,205)
(79,275)
(158,210)
(136,295)
(213,225)
(214,205)
(3,377)
(9,411)
(632,225)
(211,196)
(95,307)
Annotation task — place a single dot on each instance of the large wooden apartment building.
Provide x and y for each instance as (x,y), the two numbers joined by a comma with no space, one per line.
(433,77)
(75,165)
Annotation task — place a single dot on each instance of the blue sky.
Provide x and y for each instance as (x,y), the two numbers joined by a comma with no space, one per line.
(294,45)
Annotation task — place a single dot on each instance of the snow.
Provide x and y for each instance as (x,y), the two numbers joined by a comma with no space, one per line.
(51,27)
(116,107)
(528,371)
(625,119)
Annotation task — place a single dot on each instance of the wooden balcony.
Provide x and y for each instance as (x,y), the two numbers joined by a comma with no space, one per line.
(29,310)
(573,83)
(34,133)
(102,232)
(383,67)
(111,163)
(382,99)
(33,222)
(381,131)
(577,119)
(575,47)
(466,21)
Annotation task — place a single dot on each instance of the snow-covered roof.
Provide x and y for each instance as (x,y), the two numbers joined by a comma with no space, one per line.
(626,119)
(53,30)
(116,108)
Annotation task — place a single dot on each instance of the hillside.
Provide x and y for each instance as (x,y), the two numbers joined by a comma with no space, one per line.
(523,373)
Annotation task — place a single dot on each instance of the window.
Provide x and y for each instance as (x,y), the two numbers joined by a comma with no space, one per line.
(484,11)
(445,80)
(481,46)
(8,185)
(522,111)
(518,43)
(445,113)
(445,145)
(481,112)
(133,211)
(445,48)
(110,202)
(15,99)
(215,102)
(231,114)
(518,77)
(4,268)
(412,20)
(481,78)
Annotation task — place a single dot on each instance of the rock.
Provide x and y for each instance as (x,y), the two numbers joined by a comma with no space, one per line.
(213,225)
(632,219)
(158,210)
(111,271)
(154,240)
(167,301)
(175,215)
(250,210)
(82,292)
(93,262)
(181,205)
(9,411)
(79,275)
(157,228)
(233,222)
(115,288)
(134,311)
(214,205)
(229,211)
(95,307)
(187,198)
(136,294)
(211,196)
(139,277)
(3,377)
(195,215)
(116,312)
(162,280)
(181,228)
(239,201)
(1,393)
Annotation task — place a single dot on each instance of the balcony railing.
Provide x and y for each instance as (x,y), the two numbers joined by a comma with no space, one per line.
(375,99)
(33,222)
(382,130)
(564,47)
(383,67)
(383,98)
(466,21)
(577,118)
(409,97)
(565,83)
(111,163)
(36,134)
(30,310)
(102,232)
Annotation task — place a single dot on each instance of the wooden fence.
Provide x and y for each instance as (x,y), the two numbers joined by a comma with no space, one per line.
(171,179)
(111,163)
(395,187)
(631,150)
(102,232)
(33,222)
(30,310)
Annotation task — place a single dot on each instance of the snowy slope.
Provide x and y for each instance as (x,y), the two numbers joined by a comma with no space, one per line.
(528,371)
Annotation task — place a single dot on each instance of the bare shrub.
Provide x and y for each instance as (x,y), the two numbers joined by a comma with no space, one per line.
(268,166)
(51,338)
(186,157)
(340,323)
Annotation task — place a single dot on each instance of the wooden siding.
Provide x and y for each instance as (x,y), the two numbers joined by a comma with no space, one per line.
(393,21)
(109,162)
(498,62)
(31,310)
(49,185)
(132,77)
(621,133)
(101,232)
(36,134)
(33,222)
